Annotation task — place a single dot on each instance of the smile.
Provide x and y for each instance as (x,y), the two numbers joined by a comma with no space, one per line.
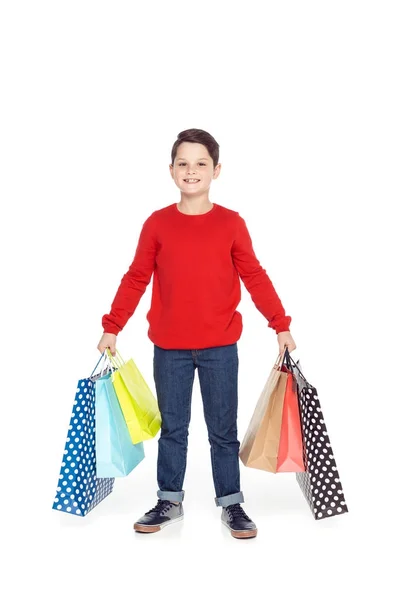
(191,180)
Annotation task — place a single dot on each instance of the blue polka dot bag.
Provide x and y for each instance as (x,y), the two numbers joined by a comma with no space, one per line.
(79,490)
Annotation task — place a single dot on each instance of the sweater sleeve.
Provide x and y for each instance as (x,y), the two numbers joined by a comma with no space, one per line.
(256,280)
(134,282)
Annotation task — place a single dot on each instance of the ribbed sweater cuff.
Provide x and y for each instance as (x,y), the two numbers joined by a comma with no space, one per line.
(112,329)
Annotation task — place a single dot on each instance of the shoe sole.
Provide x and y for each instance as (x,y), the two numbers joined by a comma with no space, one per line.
(154,528)
(242,533)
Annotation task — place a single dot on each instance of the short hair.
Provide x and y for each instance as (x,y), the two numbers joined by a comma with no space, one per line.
(198,136)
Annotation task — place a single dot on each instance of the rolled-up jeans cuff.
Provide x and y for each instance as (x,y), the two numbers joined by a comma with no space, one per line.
(231,499)
(173,496)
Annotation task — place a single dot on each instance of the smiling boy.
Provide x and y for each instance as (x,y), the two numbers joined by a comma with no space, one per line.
(197,251)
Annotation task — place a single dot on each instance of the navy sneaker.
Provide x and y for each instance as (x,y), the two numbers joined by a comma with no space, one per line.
(240,525)
(164,513)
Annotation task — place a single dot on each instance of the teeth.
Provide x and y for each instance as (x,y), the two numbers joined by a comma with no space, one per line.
(191,180)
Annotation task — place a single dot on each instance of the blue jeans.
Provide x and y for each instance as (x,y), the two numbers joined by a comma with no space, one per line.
(218,376)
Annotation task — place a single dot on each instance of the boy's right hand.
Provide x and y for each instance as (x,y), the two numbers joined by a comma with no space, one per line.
(108,340)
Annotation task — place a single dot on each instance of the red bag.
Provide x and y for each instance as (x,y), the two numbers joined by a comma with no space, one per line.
(290,453)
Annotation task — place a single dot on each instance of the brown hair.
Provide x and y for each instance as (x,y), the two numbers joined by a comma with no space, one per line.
(198,136)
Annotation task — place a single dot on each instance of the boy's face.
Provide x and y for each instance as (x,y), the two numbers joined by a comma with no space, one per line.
(193,161)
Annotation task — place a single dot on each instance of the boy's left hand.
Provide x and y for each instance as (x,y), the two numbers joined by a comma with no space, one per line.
(285,339)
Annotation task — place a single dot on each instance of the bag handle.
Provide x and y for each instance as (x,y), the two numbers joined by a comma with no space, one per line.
(279,361)
(103,367)
(281,357)
(117,361)
(290,363)
(102,356)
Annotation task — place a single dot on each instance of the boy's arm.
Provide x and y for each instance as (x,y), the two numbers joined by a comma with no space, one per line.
(134,282)
(257,281)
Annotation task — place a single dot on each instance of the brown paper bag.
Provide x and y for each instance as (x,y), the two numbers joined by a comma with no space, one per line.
(260,445)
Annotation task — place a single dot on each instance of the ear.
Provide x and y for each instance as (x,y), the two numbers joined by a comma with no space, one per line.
(217,171)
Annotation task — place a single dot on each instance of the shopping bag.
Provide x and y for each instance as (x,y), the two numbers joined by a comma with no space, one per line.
(290,454)
(116,455)
(320,483)
(137,402)
(79,490)
(260,445)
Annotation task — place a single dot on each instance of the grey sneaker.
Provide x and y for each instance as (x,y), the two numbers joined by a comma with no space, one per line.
(240,525)
(164,513)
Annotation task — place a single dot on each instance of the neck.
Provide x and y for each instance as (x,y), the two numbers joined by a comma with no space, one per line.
(194,205)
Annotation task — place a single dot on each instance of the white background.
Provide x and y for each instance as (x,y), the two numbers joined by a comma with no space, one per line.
(303,98)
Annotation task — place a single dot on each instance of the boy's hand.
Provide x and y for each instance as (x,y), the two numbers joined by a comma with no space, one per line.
(108,340)
(285,339)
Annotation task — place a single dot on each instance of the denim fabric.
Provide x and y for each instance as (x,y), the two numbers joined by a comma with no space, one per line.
(174,372)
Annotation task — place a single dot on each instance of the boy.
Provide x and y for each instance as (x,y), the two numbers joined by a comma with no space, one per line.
(197,250)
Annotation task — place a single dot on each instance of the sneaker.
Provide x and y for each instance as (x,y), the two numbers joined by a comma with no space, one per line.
(240,525)
(164,513)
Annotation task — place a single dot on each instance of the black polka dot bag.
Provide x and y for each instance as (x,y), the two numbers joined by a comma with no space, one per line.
(79,490)
(320,483)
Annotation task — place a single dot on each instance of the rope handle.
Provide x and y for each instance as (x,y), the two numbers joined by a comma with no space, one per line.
(290,364)
(279,361)
(117,361)
(104,366)
(101,357)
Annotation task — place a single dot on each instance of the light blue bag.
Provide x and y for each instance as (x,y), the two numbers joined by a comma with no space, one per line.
(116,455)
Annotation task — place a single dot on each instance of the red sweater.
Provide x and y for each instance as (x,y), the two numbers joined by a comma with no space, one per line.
(196,261)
